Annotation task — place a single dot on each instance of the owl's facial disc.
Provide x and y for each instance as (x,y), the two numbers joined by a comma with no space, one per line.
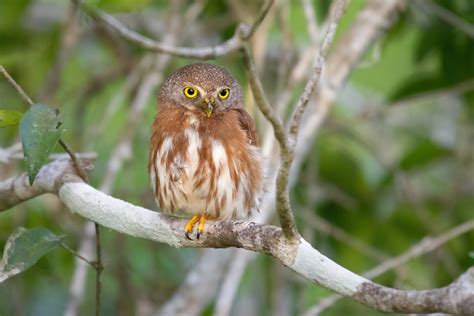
(209,102)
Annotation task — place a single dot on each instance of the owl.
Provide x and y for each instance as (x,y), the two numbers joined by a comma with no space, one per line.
(204,162)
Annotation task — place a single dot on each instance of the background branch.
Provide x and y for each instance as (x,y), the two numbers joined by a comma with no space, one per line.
(311,84)
(241,34)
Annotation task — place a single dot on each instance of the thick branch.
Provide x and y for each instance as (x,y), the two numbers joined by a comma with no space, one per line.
(426,245)
(16,190)
(301,257)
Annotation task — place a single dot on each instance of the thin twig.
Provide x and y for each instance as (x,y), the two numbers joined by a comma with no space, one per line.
(99,267)
(242,33)
(283,207)
(16,86)
(77,254)
(300,69)
(258,20)
(261,100)
(314,79)
(74,159)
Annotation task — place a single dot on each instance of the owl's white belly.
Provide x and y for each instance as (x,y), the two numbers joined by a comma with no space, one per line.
(188,185)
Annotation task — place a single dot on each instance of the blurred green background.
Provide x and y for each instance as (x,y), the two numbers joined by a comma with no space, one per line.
(393,162)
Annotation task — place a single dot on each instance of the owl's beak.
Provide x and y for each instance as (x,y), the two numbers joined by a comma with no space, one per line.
(208,106)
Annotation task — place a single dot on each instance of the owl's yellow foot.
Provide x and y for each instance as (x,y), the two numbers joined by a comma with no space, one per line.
(188,229)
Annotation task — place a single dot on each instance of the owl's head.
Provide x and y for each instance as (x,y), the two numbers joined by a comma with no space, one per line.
(201,87)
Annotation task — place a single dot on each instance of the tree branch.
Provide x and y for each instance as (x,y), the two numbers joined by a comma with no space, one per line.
(242,33)
(313,80)
(424,246)
(287,143)
(301,257)
(16,190)
(283,207)
(15,85)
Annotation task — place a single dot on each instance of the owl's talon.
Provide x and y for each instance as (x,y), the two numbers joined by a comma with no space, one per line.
(188,229)
(187,236)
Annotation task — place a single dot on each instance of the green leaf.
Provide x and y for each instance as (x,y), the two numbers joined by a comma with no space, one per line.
(9,118)
(422,152)
(471,254)
(39,134)
(24,248)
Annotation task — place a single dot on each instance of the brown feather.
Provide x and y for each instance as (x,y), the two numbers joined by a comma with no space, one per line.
(248,125)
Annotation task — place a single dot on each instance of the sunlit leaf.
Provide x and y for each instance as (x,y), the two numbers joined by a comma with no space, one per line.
(9,118)
(24,248)
(39,134)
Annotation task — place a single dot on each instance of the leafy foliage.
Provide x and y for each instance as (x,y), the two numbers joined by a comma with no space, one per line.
(39,133)
(24,248)
(452,49)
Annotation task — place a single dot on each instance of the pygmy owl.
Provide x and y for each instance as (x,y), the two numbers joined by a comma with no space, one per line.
(203,160)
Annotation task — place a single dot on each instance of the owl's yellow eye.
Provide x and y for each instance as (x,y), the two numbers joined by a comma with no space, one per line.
(224,93)
(190,92)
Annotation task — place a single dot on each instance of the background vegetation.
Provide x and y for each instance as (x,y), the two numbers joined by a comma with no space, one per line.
(393,163)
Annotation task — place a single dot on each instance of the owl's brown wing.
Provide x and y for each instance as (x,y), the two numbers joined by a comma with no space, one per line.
(248,125)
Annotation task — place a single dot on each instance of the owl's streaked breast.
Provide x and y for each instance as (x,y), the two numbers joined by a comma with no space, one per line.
(200,166)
